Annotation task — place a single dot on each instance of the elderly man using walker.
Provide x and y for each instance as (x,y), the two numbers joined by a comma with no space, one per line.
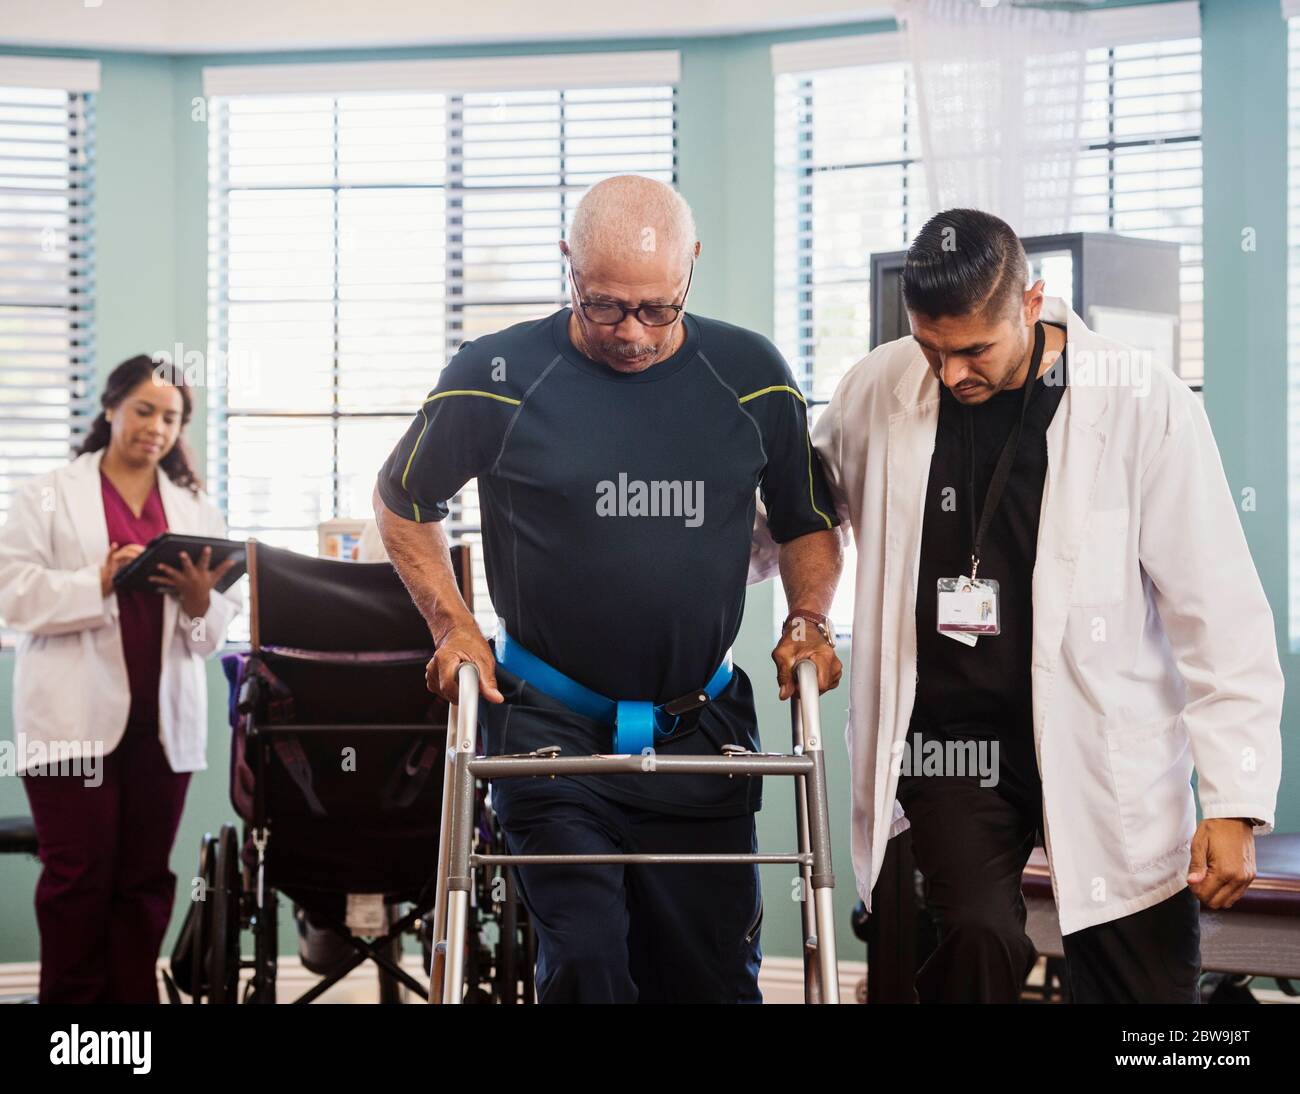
(619,445)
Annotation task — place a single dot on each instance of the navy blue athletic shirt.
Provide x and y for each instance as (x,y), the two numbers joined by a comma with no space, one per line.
(617,512)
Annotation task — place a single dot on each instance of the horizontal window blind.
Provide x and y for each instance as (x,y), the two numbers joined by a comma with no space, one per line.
(47,345)
(849,183)
(1140,173)
(356,240)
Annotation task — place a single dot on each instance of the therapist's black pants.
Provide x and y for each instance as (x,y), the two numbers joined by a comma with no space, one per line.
(627,934)
(971,843)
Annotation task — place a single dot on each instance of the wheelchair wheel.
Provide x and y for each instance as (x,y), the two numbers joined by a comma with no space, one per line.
(507,949)
(189,955)
(223,949)
(516,954)
(203,917)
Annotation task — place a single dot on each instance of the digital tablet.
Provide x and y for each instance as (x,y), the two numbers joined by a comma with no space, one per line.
(167,548)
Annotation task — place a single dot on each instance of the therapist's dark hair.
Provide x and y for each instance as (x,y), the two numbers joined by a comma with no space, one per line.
(120,383)
(965,262)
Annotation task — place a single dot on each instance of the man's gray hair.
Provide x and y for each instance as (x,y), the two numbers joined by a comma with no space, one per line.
(632,213)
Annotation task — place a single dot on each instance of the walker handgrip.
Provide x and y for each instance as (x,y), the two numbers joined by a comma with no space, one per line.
(466,707)
(808,696)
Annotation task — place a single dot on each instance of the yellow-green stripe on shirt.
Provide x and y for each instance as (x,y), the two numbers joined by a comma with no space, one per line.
(812,499)
(423,429)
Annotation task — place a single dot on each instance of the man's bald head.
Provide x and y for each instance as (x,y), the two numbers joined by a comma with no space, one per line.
(633,244)
(628,220)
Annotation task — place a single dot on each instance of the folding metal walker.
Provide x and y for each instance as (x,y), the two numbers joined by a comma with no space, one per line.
(457,861)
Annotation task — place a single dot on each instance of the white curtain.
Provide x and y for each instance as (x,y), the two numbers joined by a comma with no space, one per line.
(1000,91)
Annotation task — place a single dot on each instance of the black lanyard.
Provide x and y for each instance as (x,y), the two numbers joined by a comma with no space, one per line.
(1007,459)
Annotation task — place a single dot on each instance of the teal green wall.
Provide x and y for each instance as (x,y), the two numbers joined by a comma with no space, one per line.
(152,292)
(1244,121)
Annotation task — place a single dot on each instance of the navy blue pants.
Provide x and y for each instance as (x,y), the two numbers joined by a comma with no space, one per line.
(627,934)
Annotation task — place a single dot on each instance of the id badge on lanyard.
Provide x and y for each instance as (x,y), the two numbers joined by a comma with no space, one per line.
(968,606)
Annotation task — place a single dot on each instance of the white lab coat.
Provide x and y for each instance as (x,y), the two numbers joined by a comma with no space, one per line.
(70,682)
(1153,645)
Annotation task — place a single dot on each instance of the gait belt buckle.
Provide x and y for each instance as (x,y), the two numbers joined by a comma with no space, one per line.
(691,701)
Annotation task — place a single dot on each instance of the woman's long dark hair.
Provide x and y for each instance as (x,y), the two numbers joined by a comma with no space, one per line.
(120,383)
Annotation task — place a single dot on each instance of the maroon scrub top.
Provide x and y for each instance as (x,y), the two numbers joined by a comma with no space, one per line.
(140,610)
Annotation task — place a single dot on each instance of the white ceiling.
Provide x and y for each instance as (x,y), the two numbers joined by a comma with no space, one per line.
(201,26)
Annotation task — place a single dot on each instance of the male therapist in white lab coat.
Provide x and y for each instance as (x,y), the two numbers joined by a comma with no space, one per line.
(1055,576)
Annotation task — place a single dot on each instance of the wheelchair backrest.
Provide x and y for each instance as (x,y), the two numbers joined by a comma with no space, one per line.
(325,604)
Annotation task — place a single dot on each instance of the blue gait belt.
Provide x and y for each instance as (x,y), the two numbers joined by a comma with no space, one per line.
(637,724)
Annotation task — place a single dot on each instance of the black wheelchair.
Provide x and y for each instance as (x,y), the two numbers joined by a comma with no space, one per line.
(336,772)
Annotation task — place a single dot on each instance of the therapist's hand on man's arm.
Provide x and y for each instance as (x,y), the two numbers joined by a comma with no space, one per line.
(422,558)
(810,570)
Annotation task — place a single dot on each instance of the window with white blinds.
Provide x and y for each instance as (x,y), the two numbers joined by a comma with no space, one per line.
(850,183)
(46,277)
(356,240)
(1140,173)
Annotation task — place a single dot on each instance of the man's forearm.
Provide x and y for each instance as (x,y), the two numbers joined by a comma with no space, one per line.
(810,570)
(422,558)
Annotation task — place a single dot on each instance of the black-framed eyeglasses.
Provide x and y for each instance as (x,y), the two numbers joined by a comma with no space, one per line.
(607,313)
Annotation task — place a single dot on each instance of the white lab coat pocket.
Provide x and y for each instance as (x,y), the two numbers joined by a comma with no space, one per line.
(1151,773)
(1103,558)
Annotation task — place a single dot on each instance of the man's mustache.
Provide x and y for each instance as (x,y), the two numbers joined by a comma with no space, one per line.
(631,352)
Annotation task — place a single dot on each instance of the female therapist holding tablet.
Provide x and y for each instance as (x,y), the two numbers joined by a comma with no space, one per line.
(115,679)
